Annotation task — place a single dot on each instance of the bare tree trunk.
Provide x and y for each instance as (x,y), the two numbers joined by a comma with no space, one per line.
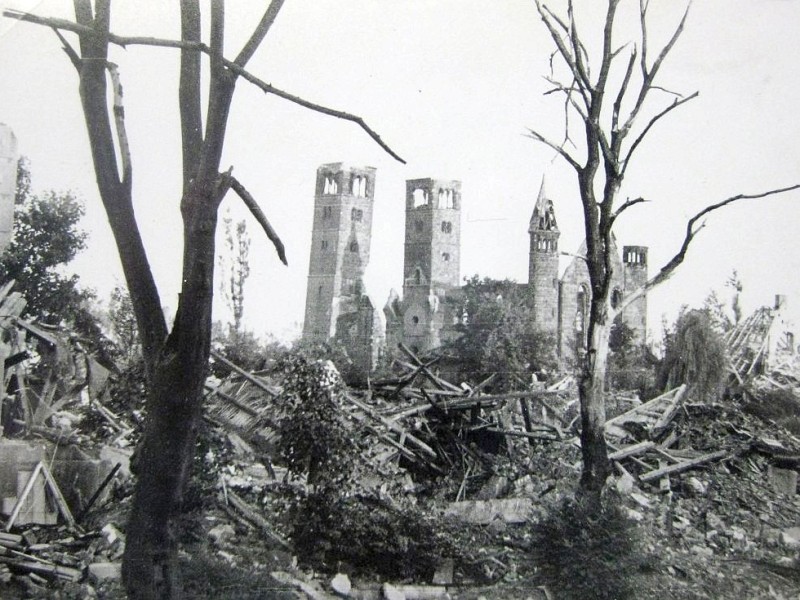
(166,453)
(591,388)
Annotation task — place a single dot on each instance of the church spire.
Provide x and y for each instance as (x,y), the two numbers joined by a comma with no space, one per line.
(544,215)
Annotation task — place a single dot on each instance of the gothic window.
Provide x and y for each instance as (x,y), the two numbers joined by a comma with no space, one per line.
(357,214)
(447,227)
(420,197)
(616,298)
(415,320)
(580,316)
(417,277)
(445,256)
(354,246)
(330,186)
(418,226)
(324,245)
(327,211)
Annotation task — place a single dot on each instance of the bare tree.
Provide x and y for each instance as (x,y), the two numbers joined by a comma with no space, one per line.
(177,359)
(614,119)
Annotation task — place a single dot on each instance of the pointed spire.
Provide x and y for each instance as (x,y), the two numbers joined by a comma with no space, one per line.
(544,216)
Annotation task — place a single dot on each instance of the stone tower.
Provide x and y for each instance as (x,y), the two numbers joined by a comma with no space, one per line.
(340,242)
(634,261)
(431,265)
(8,183)
(543,263)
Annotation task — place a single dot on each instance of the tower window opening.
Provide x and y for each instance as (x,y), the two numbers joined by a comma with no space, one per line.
(327,212)
(330,186)
(420,197)
(353,246)
(417,277)
(415,320)
(359,186)
(357,214)
(418,226)
(447,227)
(445,256)
(324,244)
(446,198)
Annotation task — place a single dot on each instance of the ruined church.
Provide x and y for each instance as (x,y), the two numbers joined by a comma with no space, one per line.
(431,306)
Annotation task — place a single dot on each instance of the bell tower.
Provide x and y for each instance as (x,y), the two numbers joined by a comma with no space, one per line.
(431,264)
(543,263)
(340,244)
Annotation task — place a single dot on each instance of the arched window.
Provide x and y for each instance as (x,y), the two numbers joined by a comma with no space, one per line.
(415,320)
(417,276)
(420,197)
(330,186)
(582,310)
(446,256)
(359,186)
(356,214)
(616,298)
(354,246)
(447,227)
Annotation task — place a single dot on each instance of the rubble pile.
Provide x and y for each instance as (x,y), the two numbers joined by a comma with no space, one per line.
(712,486)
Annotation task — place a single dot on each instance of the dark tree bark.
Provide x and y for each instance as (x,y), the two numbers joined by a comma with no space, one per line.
(177,361)
(609,138)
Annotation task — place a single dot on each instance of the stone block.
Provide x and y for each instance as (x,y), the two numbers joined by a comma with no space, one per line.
(104,571)
(783,481)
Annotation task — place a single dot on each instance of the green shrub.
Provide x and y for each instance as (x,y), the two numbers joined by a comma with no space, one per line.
(586,551)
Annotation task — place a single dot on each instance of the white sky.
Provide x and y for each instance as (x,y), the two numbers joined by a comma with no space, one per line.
(452,86)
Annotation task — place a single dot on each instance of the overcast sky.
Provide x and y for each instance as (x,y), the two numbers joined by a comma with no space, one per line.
(452,86)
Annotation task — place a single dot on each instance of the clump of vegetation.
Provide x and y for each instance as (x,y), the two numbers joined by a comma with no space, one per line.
(780,406)
(590,551)
(694,354)
(631,366)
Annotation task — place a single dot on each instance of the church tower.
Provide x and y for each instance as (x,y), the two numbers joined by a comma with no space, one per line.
(340,242)
(634,261)
(543,263)
(431,264)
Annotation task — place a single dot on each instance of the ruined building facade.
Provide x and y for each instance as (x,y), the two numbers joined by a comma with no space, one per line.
(337,305)
(561,305)
(432,305)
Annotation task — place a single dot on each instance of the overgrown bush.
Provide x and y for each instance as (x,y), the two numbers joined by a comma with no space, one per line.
(586,551)
(694,354)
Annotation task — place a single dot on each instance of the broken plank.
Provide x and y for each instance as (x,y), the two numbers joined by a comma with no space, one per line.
(255,518)
(391,425)
(251,378)
(632,450)
(684,466)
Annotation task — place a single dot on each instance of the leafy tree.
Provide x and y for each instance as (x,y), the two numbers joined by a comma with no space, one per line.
(612,99)
(123,326)
(694,354)
(176,359)
(46,238)
(498,337)
(237,268)
(725,316)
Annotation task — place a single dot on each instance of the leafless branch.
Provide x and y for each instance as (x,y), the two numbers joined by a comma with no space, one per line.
(231,65)
(259,34)
(653,121)
(69,50)
(259,215)
(550,21)
(563,153)
(692,229)
(119,121)
(626,205)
